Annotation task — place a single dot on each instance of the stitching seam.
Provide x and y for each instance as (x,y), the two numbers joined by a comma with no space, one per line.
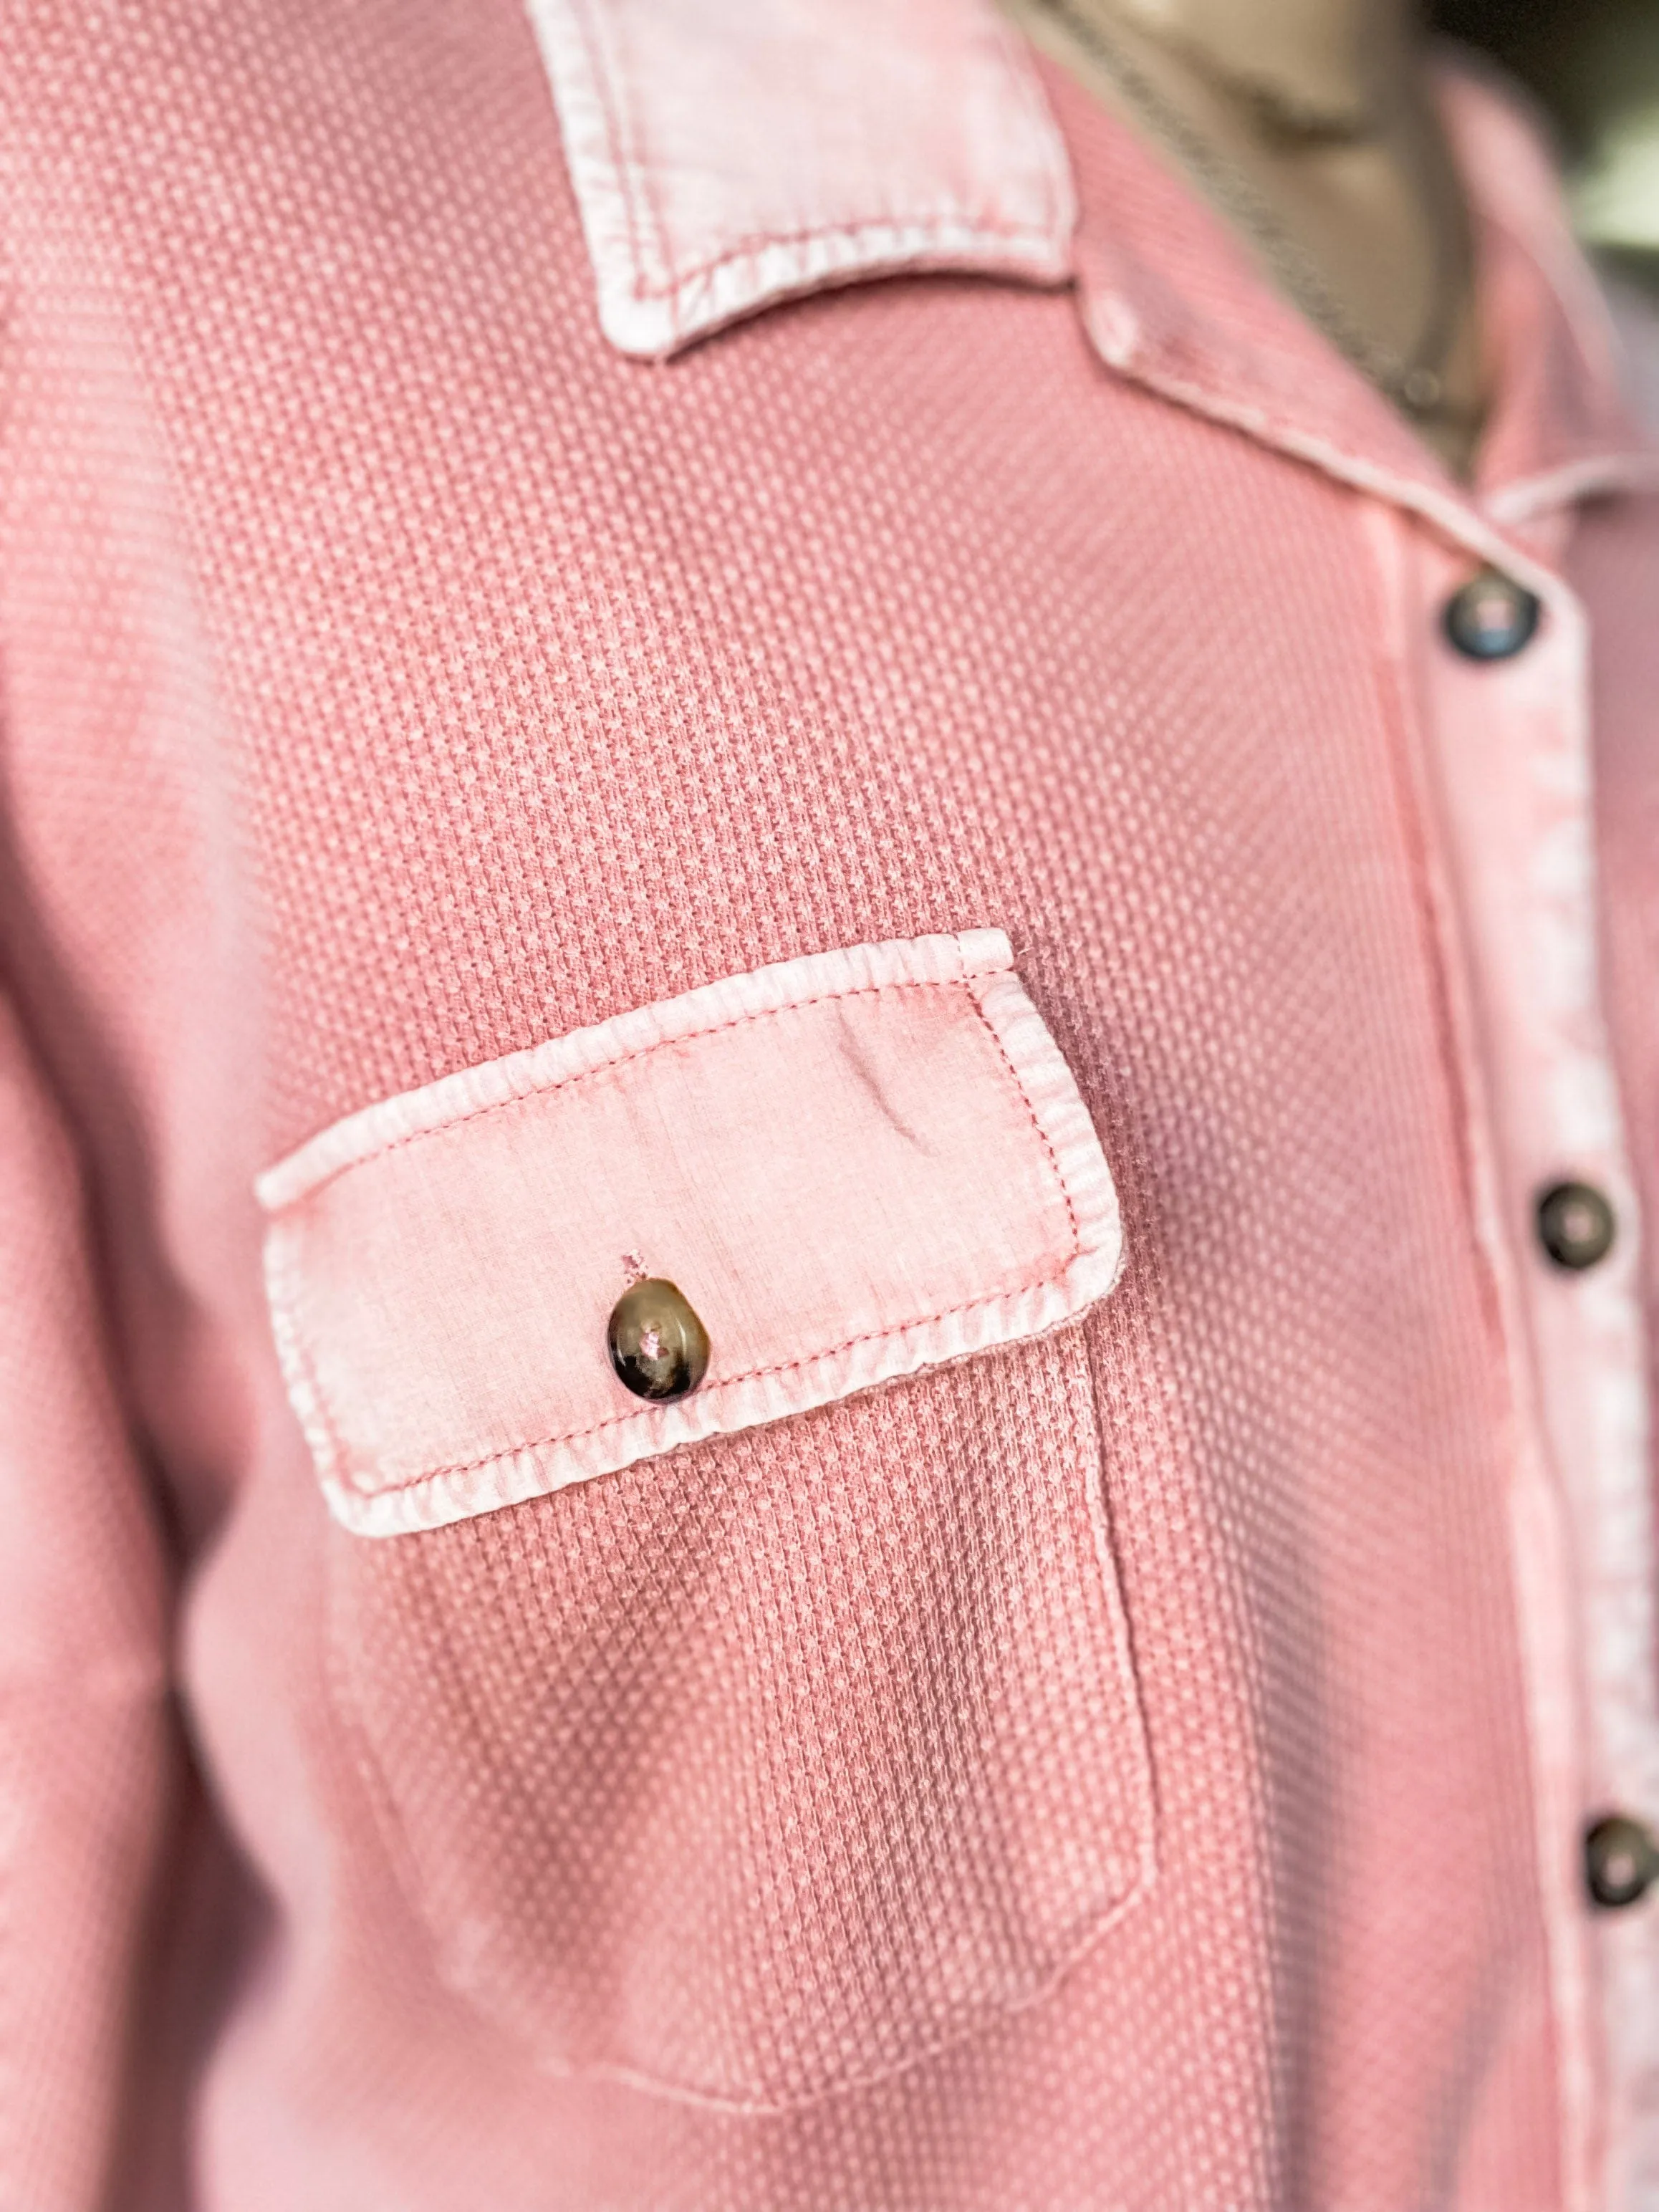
(623,168)
(1047,1142)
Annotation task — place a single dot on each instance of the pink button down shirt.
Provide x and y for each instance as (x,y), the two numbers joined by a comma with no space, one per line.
(739,642)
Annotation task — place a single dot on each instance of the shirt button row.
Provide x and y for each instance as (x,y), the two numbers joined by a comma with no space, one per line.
(1491,618)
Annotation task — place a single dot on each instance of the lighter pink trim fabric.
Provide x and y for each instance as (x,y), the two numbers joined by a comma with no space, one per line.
(856,1165)
(917,137)
(1513,765)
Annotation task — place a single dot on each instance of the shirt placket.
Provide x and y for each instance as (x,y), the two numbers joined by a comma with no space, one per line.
(1506,759)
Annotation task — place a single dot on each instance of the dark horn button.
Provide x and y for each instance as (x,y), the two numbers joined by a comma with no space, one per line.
(1576,1225)
(1619,1860)
(1491,618)
(657,1346)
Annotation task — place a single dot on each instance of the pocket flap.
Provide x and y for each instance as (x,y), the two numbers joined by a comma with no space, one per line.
(854,1165)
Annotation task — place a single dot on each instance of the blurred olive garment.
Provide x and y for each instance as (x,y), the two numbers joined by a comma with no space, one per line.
(675,646)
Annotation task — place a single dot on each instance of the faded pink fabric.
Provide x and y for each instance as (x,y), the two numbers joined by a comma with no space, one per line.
(1136,1760)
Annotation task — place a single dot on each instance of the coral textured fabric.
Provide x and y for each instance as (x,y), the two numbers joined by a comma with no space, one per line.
(1133,1765)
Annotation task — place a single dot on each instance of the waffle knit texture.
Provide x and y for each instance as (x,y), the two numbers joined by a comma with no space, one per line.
(1121,1770)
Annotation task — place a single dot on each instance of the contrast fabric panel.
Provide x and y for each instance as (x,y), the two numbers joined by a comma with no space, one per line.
(1510,767)
(853,1165)
(917,139)
(84,1741)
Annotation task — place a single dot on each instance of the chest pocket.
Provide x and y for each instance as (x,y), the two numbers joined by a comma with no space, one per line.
(766,1739)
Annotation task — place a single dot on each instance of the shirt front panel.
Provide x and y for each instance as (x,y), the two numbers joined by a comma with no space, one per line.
(522,686)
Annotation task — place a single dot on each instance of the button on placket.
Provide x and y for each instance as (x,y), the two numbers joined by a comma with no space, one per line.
(1492,617)
(1576,1224)
(1506,677)
(1620,1861)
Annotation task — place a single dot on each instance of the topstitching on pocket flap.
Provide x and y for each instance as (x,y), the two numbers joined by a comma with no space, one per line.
(855,1165)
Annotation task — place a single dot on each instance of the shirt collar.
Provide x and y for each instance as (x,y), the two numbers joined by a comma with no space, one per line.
(729,154)
(726,154)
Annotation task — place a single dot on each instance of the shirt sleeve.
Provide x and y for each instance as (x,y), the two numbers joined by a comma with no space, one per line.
(85,1738)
